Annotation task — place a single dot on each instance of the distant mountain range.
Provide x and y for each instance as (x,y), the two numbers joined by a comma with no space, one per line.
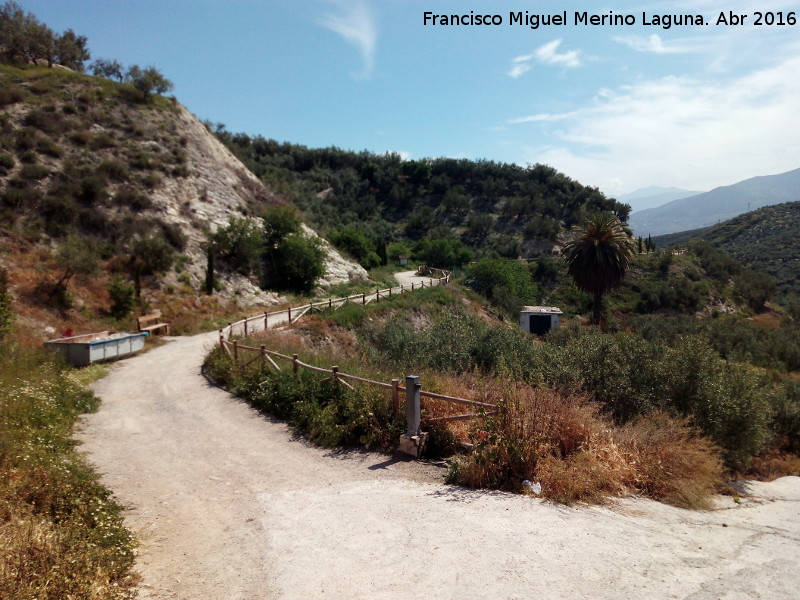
(719,204)
(764,240)
(653,196)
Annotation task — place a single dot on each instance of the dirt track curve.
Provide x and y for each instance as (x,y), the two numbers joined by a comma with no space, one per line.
(229,505)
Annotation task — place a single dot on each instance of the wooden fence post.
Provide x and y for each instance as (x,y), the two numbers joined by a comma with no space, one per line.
(294,364)
(245,328)
(412,286)
(266,321)
(334,371)
(412,404)
(330,302)
(396,395)
(230,330)
(289,310)
(235,351)
(221,340)
(364,299)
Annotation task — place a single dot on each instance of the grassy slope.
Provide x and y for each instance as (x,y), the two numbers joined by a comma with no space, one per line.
(61,533)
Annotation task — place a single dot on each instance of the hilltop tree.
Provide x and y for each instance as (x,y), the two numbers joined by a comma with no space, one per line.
(71,51)
(24,37)
(598,257)
(107,68)
(148,81)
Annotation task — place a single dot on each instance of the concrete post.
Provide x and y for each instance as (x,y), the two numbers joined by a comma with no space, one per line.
(412,441)
(412,404)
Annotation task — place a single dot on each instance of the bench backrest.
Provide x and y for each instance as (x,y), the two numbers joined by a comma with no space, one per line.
(144,319)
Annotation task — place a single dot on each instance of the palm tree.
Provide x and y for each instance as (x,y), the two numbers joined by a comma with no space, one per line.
(598,257)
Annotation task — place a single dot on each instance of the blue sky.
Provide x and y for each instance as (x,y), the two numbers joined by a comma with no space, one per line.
(617,107)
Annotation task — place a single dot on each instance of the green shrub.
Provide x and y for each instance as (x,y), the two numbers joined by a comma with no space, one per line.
(80,137)
(353,241)
(123,298)
(7,162)
(114,170)
(295,264)
(129,197)
(11,95)
(44,120)
(754,288)
(443,253)
(34,172)
(505,282)
(47,146)
(102,140)
(93,190)
(326,413)
(20,195)
(26,139)
(240,245)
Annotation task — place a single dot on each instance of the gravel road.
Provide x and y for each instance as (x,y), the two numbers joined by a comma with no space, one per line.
(230,505)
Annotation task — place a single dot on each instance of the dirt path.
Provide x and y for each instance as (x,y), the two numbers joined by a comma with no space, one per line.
(230,506)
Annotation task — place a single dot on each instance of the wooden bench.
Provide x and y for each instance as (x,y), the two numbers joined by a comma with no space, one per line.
(151,323)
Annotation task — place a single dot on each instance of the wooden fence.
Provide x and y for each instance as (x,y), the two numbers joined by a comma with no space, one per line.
(262,322)
(412,388)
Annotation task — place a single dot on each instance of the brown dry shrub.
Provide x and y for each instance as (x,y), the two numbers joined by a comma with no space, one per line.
(561,441)
(773,464)
(577,454)
(674,464)
(589,475)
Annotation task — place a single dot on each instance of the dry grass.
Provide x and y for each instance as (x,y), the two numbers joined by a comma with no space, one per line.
(577,454)
(774,464)
(672,462)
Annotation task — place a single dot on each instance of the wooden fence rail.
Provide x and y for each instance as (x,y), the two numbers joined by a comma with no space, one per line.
(261,322)
(412,442)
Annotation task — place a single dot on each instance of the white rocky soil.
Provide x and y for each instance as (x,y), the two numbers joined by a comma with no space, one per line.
(218,187)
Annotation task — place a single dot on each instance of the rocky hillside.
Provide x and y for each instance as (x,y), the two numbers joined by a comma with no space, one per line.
(86,157)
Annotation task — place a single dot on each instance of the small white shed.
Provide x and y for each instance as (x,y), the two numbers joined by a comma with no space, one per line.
(540,319)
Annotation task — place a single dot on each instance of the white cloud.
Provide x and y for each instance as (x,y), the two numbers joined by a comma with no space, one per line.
(679,131)
(518,69)
(546,55)
(653,44)
(355,22)
(544,118)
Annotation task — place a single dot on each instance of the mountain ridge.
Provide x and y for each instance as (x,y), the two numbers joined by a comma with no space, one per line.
(717,205)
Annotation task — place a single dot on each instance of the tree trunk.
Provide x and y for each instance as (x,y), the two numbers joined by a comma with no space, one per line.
(597,307)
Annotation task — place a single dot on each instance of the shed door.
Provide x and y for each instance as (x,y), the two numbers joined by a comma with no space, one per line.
(540,324)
